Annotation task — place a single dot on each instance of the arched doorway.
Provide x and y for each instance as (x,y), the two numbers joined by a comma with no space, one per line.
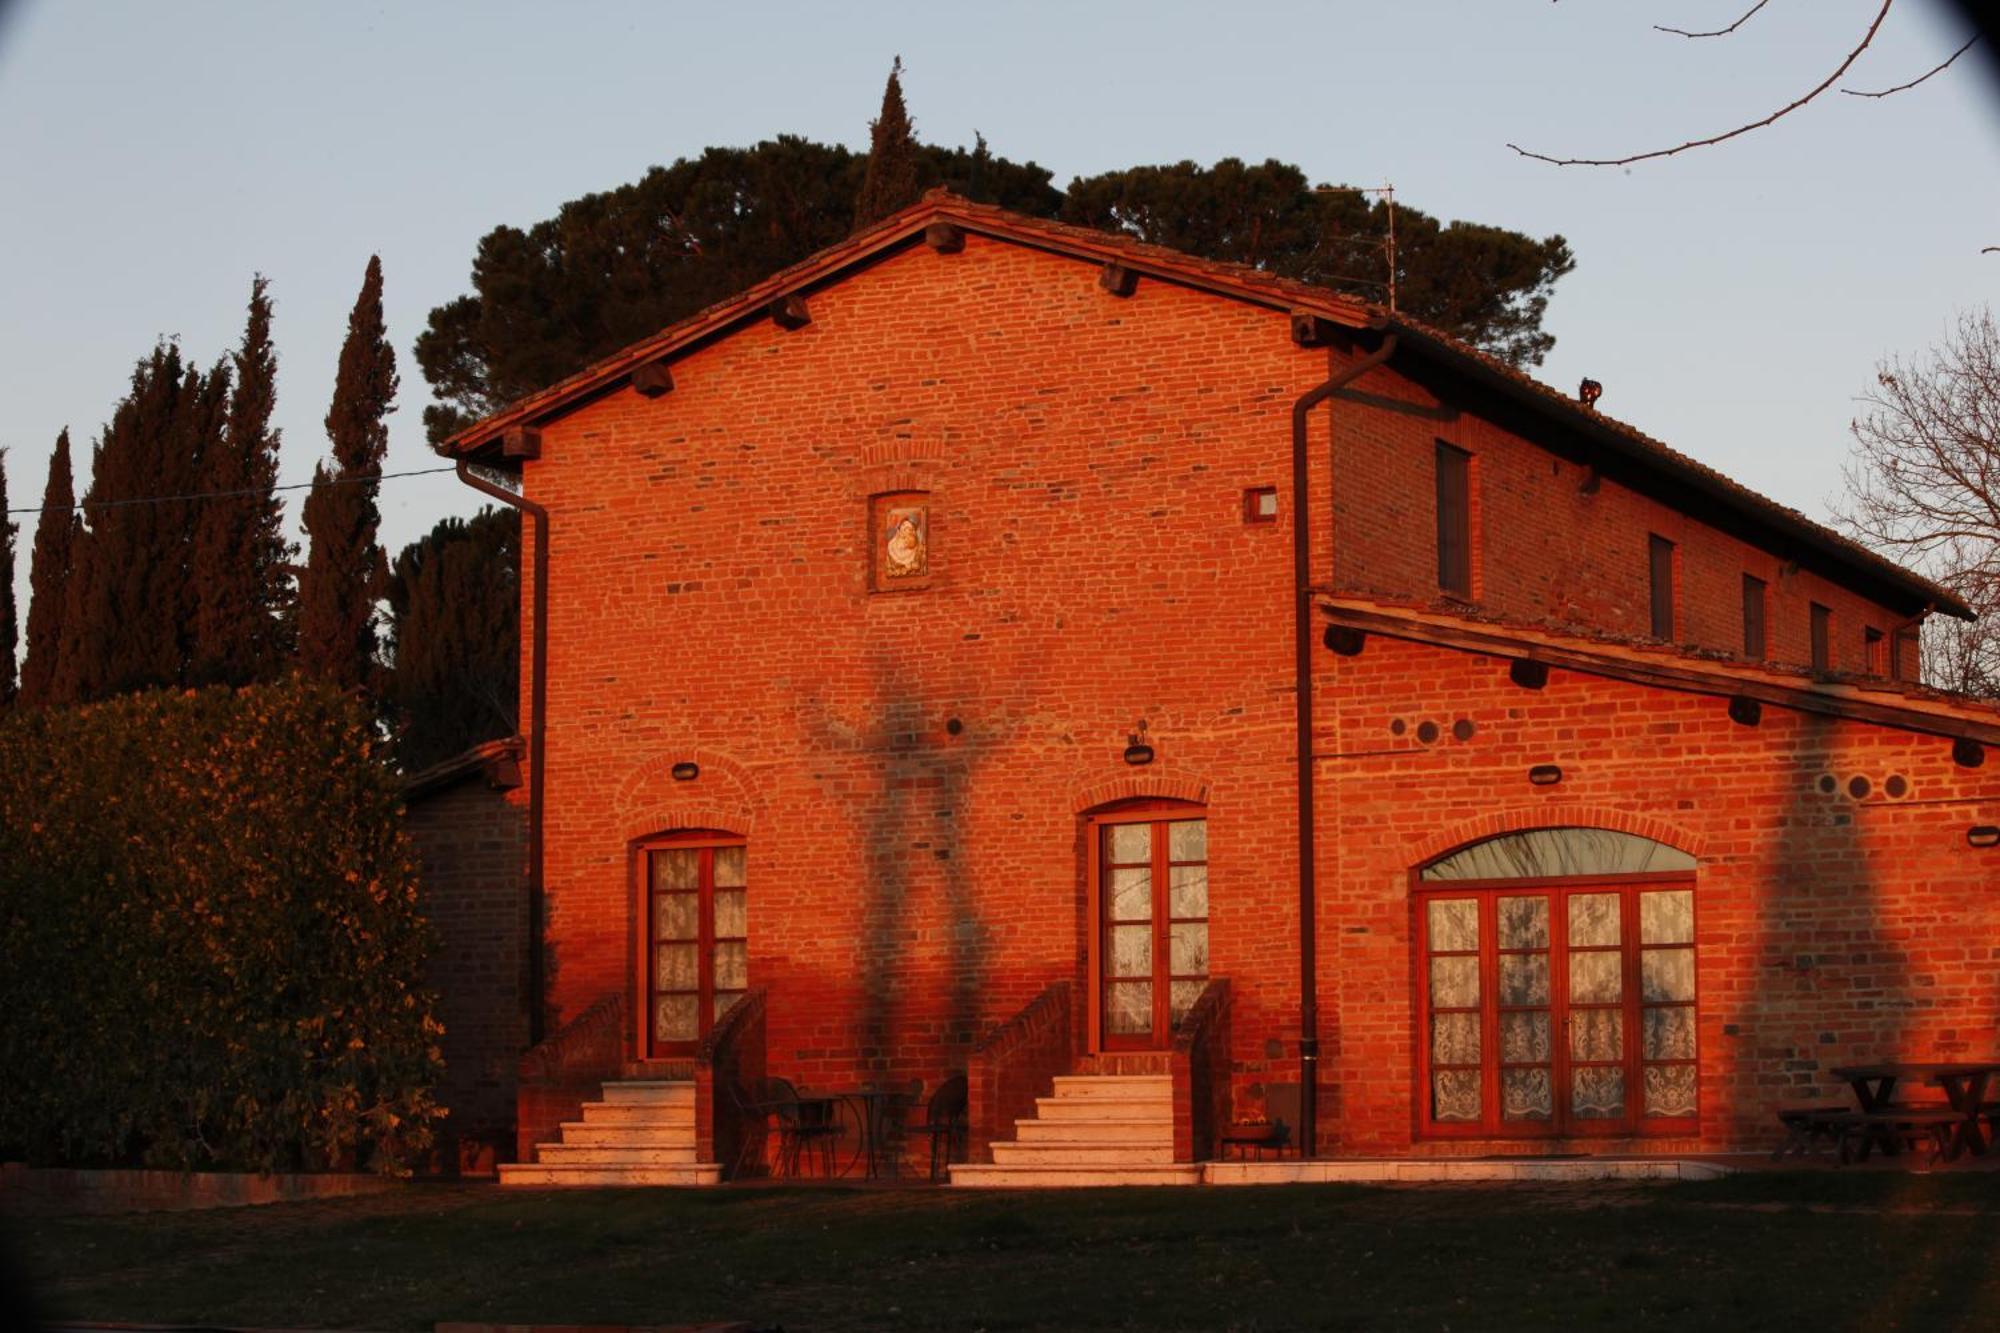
(1148,871)
(1556,987)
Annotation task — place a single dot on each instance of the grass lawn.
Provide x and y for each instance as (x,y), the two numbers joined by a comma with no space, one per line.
(1876,1250)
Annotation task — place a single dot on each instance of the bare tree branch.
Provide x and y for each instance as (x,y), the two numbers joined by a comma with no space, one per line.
(1923,485)
(1779,114)
(1905,87)
(1719,32)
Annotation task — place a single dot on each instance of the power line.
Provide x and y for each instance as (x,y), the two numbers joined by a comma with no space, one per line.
(231,495)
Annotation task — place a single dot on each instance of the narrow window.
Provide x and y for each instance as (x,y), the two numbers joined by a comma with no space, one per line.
(1663,587)
(1822,638)
(1152,867)
(1454,520)
(1903,657)
(1753,617)
(1874,651)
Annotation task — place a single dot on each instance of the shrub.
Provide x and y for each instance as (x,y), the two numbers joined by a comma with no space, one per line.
(209,938)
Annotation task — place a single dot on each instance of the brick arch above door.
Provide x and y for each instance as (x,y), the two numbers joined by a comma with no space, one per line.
(721,797)
(1154,785)
(1495,823)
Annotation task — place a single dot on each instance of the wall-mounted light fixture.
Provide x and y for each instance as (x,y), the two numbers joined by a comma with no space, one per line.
(1967,752)
(1136,750)
(686,771)
(1528,675)
(1545,775)
(1745,711)
(1983,835)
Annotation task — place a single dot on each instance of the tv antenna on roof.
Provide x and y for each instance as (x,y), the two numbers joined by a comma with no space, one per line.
(1388,193)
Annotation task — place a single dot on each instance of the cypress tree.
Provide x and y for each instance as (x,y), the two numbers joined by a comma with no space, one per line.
(9,634)
(128,634)
(130,600)
(344,565)
(48,577)
(890,181)
(238,553)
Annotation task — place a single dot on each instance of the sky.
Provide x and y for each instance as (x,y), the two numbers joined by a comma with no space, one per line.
(1734,301)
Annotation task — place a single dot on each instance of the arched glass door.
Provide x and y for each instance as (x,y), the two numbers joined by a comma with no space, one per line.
(1557,1005)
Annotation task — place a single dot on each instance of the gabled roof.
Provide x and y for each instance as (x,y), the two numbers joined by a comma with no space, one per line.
(498,762)
(1614,438)
(1900,704)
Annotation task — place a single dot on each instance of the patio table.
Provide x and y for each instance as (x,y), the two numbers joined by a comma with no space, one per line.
(869,1107)
(1963,1081)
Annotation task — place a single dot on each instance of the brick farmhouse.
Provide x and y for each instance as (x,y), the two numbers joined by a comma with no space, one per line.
(998,647)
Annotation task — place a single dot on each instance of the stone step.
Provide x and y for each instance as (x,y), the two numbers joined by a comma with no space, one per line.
(1114,1085)
(650,1092)
(604,1177)
(638,1113)
(1104,1108)
(650,1135)
(596,1154)
(1083,1154)
(981,1176)
(1160,1130)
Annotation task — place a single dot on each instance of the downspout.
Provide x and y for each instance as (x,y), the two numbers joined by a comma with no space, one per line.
(538,713)
(1302,643)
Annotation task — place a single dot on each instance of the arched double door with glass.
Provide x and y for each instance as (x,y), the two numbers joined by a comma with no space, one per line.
(695,910)
(1556,988)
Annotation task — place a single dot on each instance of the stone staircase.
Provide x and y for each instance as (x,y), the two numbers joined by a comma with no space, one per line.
(642,1133)
(1098,1129)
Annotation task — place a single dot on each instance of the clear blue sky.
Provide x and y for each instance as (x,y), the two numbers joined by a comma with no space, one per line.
(1732,300)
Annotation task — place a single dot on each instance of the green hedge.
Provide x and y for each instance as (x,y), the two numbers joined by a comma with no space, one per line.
(209,939)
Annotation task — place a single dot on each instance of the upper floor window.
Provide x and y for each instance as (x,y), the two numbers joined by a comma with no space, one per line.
(1662,557)
(1874,651)
(1754,641)
(1822,638)
(1903,655)
(1454,520)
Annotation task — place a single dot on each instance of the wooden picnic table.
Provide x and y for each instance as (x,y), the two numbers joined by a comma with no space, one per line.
(1964,1084)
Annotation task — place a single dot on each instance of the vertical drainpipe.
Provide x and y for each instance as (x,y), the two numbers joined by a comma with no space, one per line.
(538,713)
(1302,645)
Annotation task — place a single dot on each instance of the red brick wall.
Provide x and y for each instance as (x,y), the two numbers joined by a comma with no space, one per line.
(912,886)
(1547,548)
(473,844)
(1829,929)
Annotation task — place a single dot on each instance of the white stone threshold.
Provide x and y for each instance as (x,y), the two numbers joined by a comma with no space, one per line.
(1362,1170)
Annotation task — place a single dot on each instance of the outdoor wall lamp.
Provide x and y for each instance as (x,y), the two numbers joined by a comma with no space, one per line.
(686,771)
(1745,711)
(1545,775)
(1136,750)
(1967,752)
(1983,835)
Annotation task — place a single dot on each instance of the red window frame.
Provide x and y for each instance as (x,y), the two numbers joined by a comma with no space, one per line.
(705,844)
(1631,1004)
(1159,814)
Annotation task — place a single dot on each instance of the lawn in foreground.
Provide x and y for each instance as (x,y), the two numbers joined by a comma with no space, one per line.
(1833,1251)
